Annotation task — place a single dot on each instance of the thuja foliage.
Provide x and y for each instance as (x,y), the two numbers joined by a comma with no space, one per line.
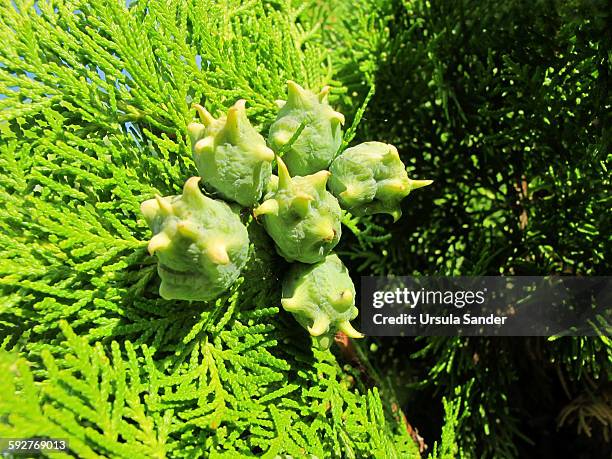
(96,102)
(507,107)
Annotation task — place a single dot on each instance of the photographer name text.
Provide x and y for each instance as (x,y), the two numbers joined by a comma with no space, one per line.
(413,298)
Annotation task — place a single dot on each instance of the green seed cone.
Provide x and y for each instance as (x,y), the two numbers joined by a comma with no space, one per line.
(231,156)
(302,217)
(322,299)
(321,138)
(370,178)
(200,243)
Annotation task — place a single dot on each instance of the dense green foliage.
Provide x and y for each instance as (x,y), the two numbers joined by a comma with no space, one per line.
(96,99)
(506,106)
(509,108)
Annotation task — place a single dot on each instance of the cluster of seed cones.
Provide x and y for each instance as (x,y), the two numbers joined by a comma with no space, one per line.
(201,243)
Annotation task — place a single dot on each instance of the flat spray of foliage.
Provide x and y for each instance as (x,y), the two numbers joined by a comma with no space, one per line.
(507,107)
(96,99)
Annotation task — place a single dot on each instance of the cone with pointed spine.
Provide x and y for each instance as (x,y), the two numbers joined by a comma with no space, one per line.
(370,178)
(200,243)
(322,299)
(302,217)
(231,155)
(321,138)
